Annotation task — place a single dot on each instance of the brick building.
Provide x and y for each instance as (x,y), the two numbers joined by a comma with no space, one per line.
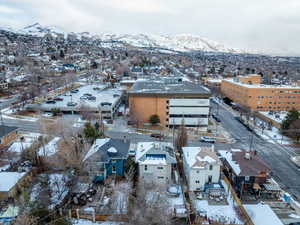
(172,99)
(247,91)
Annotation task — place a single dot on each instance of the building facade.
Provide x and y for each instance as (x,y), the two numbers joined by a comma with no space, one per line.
(155,161)
(250,93)
(201,167)
(173,101)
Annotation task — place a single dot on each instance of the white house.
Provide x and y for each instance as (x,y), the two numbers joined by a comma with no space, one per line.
(201,166)
(155,160)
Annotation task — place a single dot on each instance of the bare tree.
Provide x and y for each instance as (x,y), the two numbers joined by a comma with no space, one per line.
(182,137)
(153,204)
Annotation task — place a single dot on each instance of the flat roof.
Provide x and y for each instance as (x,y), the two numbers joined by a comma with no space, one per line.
(102,94)
(161,87)
(261,85)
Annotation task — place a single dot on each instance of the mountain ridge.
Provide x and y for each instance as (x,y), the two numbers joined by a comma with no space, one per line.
(178,42)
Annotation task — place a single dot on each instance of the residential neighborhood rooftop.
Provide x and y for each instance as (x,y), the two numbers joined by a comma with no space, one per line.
(244,163)
(199,157)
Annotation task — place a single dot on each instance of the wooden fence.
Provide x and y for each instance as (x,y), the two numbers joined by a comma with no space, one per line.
(246,217)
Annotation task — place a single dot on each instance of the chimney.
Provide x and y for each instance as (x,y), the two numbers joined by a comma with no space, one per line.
(247,155)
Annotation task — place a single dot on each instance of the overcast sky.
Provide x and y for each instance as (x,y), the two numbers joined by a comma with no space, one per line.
(273,25)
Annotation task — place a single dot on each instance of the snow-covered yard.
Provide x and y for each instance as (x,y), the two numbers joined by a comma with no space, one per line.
(50,148)
(59,189)
(177,202)
(20,145)
(276,116)
(222,213)
(88,222)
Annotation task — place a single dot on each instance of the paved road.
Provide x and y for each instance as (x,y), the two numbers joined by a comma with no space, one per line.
(277,156)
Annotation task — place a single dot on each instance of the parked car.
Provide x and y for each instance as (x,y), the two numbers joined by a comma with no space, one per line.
(131,152)
(87,94)
(216,117)
(91,98)
(130,123)
(71,104)
(207,139)
(84,97)
(58,99)
(156,135)
(50,102)
(74,91)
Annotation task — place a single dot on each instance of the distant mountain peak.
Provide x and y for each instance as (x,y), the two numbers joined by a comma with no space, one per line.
(33,25)
(178,42)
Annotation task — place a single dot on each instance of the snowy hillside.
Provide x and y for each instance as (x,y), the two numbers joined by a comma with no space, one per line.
(181,42)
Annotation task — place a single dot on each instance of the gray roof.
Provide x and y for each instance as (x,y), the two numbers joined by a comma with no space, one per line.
(167,87)
(5,130)
(103,155)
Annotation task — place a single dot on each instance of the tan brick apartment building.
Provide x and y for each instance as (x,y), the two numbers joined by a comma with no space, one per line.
(172,100)
(248,91)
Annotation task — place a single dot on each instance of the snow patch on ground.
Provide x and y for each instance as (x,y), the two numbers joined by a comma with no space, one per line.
(88,222)
(224,213)
(59,189)
(50,148)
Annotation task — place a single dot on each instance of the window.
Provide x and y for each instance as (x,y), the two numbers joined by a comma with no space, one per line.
(210,167)
(197,171)
(113,169)
(160,177)
(209,178)
(160,168)
(197,182)
(146,168)
(113,161)
(247,178)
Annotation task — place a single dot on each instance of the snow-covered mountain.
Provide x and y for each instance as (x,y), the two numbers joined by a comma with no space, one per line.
(181,42)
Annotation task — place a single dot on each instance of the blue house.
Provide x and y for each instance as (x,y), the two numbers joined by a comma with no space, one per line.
(107,157)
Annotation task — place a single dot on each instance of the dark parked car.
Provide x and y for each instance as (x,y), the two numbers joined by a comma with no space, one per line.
(58,99)
(156,135)
(130,123)
(50,102)
(217,118)
(74,91)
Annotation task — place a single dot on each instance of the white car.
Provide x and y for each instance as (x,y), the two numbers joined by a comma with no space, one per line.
(207,139)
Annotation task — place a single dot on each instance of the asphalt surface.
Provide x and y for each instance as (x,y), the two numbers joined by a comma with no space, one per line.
(275,155)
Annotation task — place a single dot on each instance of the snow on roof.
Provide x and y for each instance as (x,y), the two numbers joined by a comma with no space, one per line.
(154,161)
(262,215)
(228,156)
(9,179)
(262,85)
(197,157)
(95,147)
(112,150)
(12,211)
(142,148)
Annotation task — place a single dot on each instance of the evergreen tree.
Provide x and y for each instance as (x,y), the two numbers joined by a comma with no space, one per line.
(291,117)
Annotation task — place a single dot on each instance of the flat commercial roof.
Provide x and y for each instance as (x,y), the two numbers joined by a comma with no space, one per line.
(160,87)
(102,94)
(281,86)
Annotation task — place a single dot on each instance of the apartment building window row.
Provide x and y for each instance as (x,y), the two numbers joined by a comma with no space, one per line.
(187,116)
